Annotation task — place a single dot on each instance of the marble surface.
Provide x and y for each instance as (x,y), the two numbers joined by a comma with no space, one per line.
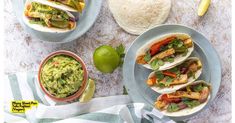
(24,53)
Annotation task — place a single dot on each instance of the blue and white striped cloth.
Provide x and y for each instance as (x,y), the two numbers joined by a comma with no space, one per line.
(112,109)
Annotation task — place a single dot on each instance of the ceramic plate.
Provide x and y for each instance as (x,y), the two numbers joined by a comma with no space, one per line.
(86,20)
(135,75)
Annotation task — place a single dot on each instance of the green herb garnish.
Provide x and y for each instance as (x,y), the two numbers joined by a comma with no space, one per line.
(198,88)
(185,53)
(168,59)
(170,46)
(175,70)
(40,22)
(169,80)
(160,63)
(161,85)
(173,107)
(180,44)
(191,74)
(154,64)
(159,75)
(147,57)
(191,103)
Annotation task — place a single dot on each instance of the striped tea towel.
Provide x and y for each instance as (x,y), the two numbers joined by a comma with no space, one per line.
(112,109)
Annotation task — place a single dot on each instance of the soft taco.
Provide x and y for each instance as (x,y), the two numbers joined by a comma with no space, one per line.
(48,19)
(170,80)
(67,5)
(185,101)
(165,52)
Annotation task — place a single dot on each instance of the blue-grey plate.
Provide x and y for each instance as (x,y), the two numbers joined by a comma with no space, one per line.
(86,20)
(135,75)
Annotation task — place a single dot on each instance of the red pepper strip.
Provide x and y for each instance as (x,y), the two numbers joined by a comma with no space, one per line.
(156,47)
(171,74)
(170,100)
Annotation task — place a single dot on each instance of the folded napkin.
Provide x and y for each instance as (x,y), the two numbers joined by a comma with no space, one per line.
(112,109)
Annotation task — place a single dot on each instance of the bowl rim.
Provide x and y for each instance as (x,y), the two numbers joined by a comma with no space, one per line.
(79,92)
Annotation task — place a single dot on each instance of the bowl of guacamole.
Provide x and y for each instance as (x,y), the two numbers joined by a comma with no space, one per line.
(63,76)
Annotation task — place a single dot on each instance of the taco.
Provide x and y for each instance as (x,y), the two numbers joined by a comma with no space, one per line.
(165,52)
(48,19)
(170,80)
(67,5)
(185,101)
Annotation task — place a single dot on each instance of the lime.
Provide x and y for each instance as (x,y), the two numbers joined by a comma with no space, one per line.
(106,59)
(89,91)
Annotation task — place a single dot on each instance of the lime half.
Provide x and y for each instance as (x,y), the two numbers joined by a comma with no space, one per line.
(89,92)
(106,59)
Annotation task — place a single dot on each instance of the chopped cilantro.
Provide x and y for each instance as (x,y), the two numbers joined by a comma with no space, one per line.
(170,46)
(174,69)
(154,64)
(160,63)
(180,44)
(159,75)
(168,59)
(185,53)
(168,80)
(147,57)
(161,85)
(198,87)
(185,99)
(39,21)
(173,107)
(176,43)
(191,103)
(191,74)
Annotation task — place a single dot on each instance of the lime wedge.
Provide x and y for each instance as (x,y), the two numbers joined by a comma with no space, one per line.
(203,6)
(89,92)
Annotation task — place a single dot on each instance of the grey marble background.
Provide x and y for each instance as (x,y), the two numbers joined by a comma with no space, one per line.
(24,53)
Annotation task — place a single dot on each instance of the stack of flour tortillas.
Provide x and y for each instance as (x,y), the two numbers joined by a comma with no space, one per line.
(136,16)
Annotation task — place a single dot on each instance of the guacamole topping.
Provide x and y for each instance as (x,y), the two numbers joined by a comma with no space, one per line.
(48,16)
(62,76)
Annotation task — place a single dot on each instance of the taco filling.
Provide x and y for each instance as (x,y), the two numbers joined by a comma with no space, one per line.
(48,16)
(165,51)
(176,75)
(75,4)
(189,97)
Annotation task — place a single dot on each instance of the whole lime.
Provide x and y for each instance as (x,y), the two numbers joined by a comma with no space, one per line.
(106,59)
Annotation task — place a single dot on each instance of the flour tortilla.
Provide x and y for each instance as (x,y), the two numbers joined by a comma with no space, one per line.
(136,16)
(173,88)
(45,28)
(188,111)
(177,60)
(56,5)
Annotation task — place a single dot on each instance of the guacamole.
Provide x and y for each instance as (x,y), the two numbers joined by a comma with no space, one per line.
(62,76)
